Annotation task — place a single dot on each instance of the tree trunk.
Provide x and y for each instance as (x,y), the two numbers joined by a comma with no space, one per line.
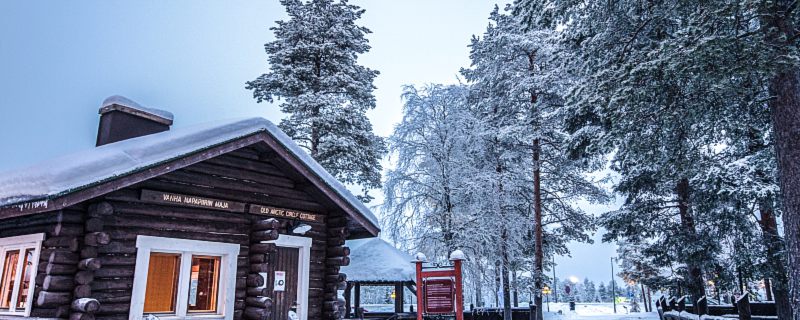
(516,288)
(777,283)
(538,260)
(506,282)
(785,112)
(695,283)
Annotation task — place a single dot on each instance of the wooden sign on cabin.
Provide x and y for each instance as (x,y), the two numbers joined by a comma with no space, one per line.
(191,201)
(284,213)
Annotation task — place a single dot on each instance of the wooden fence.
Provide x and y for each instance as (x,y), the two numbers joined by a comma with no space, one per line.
(680,309)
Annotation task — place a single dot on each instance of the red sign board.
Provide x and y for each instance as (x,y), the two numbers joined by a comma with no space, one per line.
(439,295)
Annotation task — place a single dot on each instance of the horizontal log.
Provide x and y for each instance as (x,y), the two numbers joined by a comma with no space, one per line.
(50,312)
(116,284)
(240,294)
(63,257)
(258,268)
(58,283)
(117,260)
(89,264)
(117,296)
(84,277)
(339,232)
(118,247)
(340,251)
(82,291)
(257,292)
(239,304)
(61,269)
(68,229)
(339,261)
(113,308)
(258,258)
(95,239)
(255,313)
(255,280)
(114,272)
(94,224)
(129,234)
(67,242)
(264,235)
(89,252)
(101,209)
(266,224)
(260,302)
(81,316)
(341,277)
(264,248)
(87,305)
(53,299)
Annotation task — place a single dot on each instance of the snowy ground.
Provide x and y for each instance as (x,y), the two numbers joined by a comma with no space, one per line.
(594,311)
(588,311)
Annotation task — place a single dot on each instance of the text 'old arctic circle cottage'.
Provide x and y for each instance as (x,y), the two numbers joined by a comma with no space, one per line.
(227,220)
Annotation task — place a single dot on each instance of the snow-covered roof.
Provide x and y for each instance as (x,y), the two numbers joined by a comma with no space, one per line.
(117,102)
(66,174)
(375,260)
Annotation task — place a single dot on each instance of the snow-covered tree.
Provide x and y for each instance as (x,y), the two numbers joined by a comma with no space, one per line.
(513,87)
(325,93)
(589,292)
(602,292)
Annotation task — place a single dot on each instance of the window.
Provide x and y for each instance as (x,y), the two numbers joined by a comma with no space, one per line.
(20,257)
(180,279)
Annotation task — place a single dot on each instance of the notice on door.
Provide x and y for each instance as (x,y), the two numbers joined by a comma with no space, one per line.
(280,281)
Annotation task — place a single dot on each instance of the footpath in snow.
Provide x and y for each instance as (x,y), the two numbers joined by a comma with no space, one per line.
(595,311)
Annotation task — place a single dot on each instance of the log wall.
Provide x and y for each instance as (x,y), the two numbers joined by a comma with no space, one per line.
(88,258)
(242,176)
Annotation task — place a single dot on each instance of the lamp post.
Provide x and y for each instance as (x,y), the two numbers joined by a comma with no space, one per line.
(613,286)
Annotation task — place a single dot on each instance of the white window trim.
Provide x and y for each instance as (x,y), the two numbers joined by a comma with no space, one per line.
(304,265)
(227,279)
(21,243)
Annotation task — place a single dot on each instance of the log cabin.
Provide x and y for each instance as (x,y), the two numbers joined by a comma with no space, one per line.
(225,220)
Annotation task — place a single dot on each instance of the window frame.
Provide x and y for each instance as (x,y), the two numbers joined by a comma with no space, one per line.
(21,243)
(226,291)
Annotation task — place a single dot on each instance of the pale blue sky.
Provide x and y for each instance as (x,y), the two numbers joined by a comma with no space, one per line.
(60,59)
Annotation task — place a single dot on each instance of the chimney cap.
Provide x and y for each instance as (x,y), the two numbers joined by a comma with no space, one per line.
(123,104)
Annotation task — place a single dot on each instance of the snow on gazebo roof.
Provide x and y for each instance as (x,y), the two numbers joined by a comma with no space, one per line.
(67,174)
(375,260)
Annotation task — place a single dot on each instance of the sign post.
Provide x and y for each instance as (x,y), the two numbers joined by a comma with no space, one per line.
(439,289)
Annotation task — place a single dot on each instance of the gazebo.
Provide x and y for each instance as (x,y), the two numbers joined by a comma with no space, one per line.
(375,262)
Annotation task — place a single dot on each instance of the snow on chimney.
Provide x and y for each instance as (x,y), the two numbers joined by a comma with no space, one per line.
(122,118)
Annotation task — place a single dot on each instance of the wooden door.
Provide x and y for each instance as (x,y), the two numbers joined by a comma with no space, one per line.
(285,302)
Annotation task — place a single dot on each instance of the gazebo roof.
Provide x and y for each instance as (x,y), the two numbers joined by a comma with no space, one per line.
(375,260)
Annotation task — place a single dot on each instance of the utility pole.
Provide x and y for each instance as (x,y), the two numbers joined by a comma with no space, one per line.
(613,286)
(555,283)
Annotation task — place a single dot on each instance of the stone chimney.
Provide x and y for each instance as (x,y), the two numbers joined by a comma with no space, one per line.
(122,118)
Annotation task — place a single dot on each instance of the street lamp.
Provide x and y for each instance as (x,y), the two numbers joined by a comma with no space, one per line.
(613,286)
(546,291)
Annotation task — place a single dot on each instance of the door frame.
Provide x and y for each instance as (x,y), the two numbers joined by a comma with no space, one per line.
(303,264)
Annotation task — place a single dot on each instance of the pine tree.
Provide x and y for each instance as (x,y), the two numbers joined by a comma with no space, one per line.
(512,86)
(313,68)
(602,292)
